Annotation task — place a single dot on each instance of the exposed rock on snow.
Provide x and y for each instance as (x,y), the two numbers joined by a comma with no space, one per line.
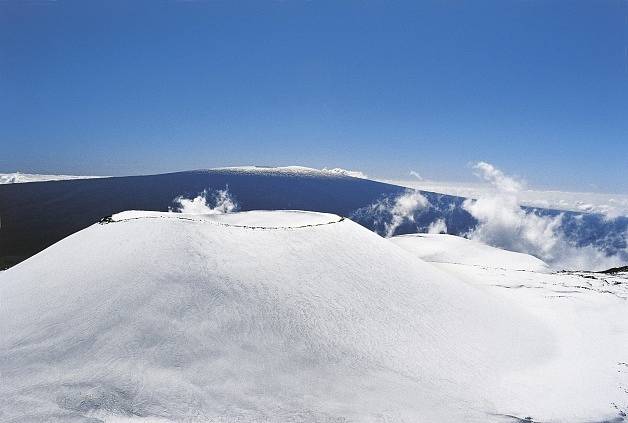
(613,270)
(260,316)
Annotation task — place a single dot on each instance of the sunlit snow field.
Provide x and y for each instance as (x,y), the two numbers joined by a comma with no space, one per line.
(208,313)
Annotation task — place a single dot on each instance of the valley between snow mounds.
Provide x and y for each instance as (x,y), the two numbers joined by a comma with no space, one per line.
(300,316)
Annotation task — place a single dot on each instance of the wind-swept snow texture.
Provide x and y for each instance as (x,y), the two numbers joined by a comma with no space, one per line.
(258,316)
(585,379)
(440,248)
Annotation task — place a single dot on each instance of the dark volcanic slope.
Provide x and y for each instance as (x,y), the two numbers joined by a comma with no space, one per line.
(36,215)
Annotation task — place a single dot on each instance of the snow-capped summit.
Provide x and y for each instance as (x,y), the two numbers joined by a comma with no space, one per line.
(274,316)
(259,219)
(19,177)
(293,171)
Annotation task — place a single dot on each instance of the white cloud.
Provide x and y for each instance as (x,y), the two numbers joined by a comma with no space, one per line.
(393,212)
(503,223)
(403,209)
(497,178)
(437,227)
(416,175)
(609,205)
(216,202)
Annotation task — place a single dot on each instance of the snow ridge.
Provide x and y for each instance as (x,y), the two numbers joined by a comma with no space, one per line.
(284,219)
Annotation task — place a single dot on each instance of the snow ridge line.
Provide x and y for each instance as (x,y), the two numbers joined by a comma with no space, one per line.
(109,219)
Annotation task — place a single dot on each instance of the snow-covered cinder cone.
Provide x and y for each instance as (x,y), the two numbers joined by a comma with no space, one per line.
(585,379)
(255,316)
(442,248)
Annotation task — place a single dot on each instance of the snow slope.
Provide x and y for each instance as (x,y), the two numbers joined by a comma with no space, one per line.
(586,379)
(441,248)
(257,316)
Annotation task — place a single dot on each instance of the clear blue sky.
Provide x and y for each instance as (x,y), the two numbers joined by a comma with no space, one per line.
(539,88)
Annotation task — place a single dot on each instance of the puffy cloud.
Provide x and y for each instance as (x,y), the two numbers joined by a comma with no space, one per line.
(388,214)
(497,178)
(437,227)
(503,223)
(403,209)
(216,202)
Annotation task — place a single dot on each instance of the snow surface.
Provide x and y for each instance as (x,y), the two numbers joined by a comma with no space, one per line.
(258,316)
(441,248)
(259,219)
(294,171)
(586,312)
(300,316)
(18,177)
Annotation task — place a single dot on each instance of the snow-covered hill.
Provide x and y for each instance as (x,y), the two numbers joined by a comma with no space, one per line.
(35,215)
(301,316)
(586,313)
(254,316)
(441,248)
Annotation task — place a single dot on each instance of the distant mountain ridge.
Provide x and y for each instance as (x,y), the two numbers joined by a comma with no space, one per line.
(33,216)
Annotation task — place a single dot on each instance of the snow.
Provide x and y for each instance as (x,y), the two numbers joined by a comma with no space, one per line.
(441,248)
(586,376)
(300,316)
(295,171)
(259,219)
(18,177)
(257,316)
(346,172)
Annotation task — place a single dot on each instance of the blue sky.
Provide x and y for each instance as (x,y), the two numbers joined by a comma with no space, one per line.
(539,88)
